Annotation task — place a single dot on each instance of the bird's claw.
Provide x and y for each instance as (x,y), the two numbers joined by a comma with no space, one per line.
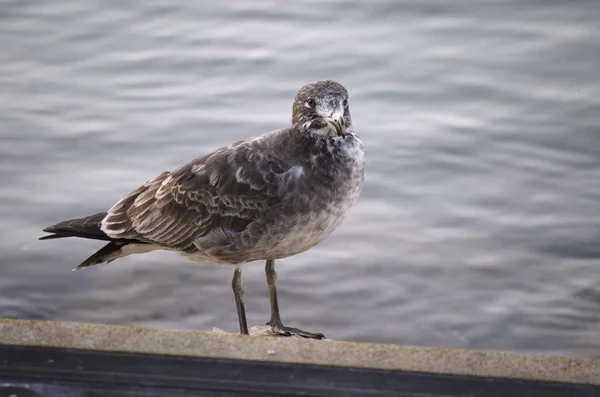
(282,330)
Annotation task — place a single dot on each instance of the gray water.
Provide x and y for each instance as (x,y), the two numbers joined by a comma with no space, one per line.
(479,222)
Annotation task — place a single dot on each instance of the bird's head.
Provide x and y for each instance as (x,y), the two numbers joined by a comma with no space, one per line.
(322,107)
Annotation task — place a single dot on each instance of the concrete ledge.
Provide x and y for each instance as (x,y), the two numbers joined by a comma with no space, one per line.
(299,351)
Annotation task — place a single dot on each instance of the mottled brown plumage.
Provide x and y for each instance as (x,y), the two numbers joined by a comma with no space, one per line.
(266,197)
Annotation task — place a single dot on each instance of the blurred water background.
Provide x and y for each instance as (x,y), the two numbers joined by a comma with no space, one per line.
(479,222)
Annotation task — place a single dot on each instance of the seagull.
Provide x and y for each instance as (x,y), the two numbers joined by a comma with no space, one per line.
(262,198)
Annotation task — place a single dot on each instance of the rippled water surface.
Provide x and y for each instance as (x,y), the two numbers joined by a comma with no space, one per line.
(479,222)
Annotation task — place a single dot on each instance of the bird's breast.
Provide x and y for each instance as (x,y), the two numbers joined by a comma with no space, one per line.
(330,186)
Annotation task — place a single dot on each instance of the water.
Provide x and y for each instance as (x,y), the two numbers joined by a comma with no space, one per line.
(479,222)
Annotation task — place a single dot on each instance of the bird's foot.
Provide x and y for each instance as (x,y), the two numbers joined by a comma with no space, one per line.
(282,330)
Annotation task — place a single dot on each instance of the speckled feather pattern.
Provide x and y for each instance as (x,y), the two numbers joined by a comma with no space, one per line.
(263,198)
(266,197)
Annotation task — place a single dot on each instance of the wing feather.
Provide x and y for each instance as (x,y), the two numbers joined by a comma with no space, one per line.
(220,193)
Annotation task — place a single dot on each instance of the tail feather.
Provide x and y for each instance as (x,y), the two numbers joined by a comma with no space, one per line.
(104,254)
(86,227)
(89,227)
(53,236)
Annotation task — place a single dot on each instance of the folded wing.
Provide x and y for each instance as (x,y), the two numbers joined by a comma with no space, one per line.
(221,193)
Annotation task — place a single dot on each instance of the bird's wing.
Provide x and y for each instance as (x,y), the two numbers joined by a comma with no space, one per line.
(222,192)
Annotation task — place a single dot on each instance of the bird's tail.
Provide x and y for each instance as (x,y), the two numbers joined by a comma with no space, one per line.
(86,227)
(89,227)
(106,254)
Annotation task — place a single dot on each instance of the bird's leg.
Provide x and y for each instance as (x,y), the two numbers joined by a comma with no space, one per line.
(238,292)
(275,323)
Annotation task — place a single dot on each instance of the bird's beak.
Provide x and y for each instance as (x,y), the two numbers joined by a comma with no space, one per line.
(337,121)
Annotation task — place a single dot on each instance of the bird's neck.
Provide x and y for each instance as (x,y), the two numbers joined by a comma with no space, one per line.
(333,148)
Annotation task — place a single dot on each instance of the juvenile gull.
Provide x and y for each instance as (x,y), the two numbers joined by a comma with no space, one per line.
(263,198)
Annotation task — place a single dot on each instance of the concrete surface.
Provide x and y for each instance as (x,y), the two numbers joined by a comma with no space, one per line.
(299,351)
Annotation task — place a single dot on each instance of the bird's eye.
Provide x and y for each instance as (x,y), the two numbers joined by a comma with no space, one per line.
(345,103)
(311,102)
